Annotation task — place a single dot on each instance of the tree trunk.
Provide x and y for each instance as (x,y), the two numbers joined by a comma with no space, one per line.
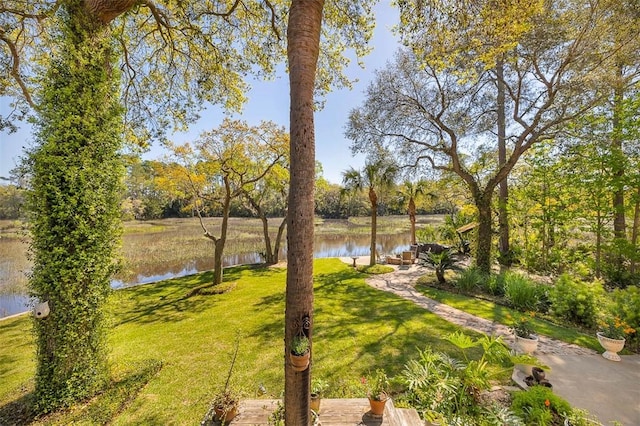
(619,225)
(75,211)
(221,241)
(412,219)
(483,252)
(276,248)
(503,195)
(303,45)
(634,231)
(373,198)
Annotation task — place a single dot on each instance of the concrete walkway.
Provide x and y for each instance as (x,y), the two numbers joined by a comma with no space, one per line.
(609,390)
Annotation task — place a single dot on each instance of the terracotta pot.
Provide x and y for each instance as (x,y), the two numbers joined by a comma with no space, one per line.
(377,406)
(314,403)
(226,415)
(611,347)
(300,362)
(526,345)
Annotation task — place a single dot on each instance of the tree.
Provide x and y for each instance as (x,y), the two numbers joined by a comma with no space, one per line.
(269,196)
(438,113)
(376,176)
(225,164)
(409,192)
(304,34)
(74,206)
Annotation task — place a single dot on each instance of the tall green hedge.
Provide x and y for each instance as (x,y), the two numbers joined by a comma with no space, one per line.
(74,206)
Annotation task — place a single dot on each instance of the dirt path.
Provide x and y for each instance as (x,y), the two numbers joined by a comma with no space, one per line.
(402,282)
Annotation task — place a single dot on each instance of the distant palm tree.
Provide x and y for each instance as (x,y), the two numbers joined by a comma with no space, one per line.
(410,191)
(376,175)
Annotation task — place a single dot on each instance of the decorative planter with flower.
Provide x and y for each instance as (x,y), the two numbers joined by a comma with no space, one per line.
(526,342)
(376,388)
(611,336)
(300,353)
(318,387)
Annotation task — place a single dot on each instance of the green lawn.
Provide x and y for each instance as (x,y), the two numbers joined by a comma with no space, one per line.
(504,315)
(170,353)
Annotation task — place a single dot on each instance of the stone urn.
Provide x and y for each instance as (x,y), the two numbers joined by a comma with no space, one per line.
(526,345)
(611,347)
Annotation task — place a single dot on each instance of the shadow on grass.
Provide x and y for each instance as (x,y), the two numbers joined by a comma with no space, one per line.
(356,310)
(99,410)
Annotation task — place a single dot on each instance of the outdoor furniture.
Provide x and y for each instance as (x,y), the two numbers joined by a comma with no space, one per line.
(407,258)
(394,260)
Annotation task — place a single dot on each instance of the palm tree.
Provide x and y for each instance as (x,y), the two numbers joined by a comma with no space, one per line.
(376,176)
(303,48)
(410,191)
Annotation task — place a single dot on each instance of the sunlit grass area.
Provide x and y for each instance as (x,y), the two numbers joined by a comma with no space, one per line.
(170,353)
(504,315)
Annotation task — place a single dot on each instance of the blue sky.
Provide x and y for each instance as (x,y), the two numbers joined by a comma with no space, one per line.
(269,100)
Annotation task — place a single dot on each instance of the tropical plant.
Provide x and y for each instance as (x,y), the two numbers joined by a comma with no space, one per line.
(377,175)
(438,383)
(440,262)
(470,279)
(410,192)
(522,293)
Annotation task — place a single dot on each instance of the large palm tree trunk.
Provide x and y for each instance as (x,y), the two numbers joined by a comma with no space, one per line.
(303,41)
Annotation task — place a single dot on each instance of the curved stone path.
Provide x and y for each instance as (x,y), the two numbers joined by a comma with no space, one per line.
(402,283)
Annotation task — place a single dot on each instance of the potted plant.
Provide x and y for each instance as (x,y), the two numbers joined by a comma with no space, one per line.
(376,388)
(224,406)
(612,336)
(318,387)
(526,341)
(300,353)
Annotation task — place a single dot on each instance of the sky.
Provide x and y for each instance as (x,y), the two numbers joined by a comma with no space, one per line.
(269,100)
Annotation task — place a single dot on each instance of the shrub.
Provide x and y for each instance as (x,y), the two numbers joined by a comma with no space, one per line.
(576,302)
(626,305)
(447,389)
(540,406)
(470,279)
(521,293)
(494,285)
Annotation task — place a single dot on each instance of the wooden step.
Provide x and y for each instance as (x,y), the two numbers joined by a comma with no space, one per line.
(333,412)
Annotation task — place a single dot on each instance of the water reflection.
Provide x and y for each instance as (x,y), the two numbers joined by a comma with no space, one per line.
(324,246)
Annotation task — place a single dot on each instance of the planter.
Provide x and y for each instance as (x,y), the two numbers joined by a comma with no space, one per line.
(300,362)
(526,345)
(314,403)
(226,414)
(377,406)
(611,347)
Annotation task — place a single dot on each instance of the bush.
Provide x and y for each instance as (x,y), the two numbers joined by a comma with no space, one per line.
(470,279)
(539,406)
(522,293)
(494,285)
(626,305)
(576,302)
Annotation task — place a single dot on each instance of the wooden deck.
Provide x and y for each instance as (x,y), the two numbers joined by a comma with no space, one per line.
(333,412)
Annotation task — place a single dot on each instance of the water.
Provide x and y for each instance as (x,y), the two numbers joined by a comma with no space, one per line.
(324,246)
(11,304)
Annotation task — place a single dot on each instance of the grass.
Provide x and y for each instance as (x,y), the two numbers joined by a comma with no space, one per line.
(170,354)
(504,315)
